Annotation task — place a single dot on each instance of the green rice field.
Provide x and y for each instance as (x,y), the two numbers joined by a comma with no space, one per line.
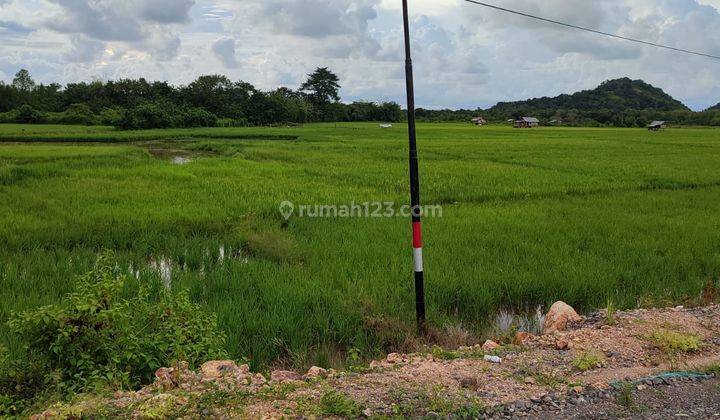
(584,215)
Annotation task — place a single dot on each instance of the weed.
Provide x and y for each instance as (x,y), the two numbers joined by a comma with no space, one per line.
(610,310)
(437,403)
(673,342)
(334,403)
(442,354)
(551,379)
(354,361)
(588,360)
(712,369)
(625,396)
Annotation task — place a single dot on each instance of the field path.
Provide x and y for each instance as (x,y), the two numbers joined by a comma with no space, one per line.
(586,370)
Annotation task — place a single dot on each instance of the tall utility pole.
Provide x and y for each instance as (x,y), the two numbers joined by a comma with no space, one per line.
(414,181)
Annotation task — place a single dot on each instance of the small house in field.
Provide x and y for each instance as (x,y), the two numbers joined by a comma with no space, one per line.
(479,121)
(527,122)
(555,122)
(657,125)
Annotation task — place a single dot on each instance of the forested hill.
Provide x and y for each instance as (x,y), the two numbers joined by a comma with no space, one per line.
(616,94)
(714,108)
(619,102)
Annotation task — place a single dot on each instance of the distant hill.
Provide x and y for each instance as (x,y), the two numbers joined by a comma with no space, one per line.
(616,95)
(615,103)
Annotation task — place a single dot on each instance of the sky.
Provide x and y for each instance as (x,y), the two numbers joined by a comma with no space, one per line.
(465,56)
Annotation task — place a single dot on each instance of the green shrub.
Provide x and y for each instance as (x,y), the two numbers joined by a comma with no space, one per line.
(98,337)
(197,117)
(111,116)
(146,116)
(673,342)
(587,361)
(334,403)
(28,115)
(78,114)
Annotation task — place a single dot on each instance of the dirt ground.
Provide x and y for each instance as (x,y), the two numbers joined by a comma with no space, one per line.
(601,367)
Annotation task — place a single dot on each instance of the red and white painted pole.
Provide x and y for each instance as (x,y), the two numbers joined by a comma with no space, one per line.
(414,181)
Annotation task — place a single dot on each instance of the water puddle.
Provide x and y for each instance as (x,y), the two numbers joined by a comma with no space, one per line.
(527,321)
(179,160)
(167,268)
(174,156)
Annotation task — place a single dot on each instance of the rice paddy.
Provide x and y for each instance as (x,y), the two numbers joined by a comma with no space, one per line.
(529,217)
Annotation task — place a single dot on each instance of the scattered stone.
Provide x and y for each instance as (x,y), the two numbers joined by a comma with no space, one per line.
(164,378)
(562,343)
(285,376)
(316,372)
(521,338)
(394,358)
(558,317)
(217,369)
(259,380)
(529,380)
(468,382)
(490,345)
(578,389)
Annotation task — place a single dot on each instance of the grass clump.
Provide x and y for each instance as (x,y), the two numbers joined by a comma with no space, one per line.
(103,337)
(588,360)
(334,403)
(713,369)
(625,396)
(610,310)
(674,342)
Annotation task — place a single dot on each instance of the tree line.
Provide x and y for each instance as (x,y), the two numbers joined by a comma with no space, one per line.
(212,100)
(215,100)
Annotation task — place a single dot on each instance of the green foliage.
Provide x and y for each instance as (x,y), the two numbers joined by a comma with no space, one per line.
(80,114)
(625,396)
(610,310)
(111,116)
(26,114)
(147,116)
(571,214)
(354,362)
(673,342)
(322,87)
(588,360)
(96,336)
(334,403)
(712,369)
(197,117)
(153,115)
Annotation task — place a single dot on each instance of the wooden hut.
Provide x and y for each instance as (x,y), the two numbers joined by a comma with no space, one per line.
(527,122)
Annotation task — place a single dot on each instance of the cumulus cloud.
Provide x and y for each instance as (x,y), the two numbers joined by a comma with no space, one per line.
(318,18)
(146,24)
(465,55)
(167,11)
(84,49)
(224,49)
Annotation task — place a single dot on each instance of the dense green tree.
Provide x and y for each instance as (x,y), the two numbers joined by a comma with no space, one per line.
(23,82)
(322,90)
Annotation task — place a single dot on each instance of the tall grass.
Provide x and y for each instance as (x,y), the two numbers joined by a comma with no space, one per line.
(529,217)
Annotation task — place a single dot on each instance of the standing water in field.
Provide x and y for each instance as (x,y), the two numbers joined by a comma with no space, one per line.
(164,267)
(527,321)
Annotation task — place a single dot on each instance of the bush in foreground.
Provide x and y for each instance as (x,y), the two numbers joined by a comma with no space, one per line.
(99,338)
